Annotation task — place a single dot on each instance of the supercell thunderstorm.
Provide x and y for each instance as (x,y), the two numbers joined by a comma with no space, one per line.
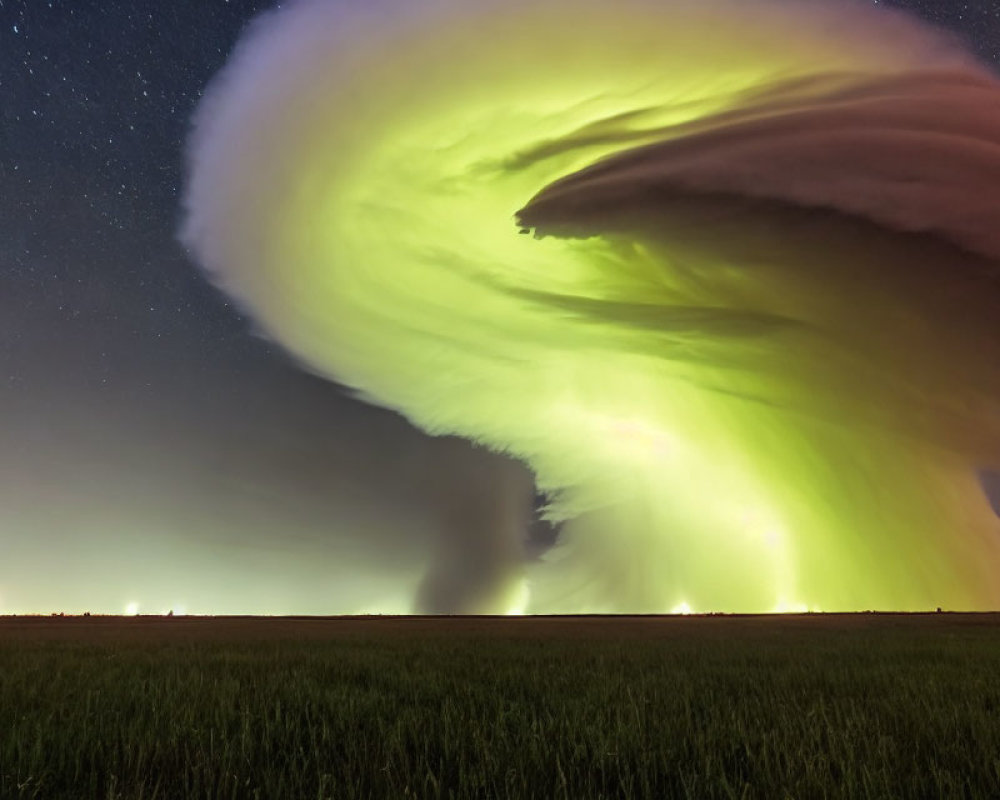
(724,274)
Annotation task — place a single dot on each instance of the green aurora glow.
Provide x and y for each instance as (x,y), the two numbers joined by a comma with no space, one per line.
(728,353)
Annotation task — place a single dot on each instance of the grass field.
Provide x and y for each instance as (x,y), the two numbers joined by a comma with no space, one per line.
(871,705)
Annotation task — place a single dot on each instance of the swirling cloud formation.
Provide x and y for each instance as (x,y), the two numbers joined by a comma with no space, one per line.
(724,274)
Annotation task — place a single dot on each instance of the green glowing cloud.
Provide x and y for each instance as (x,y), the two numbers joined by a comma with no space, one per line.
(750,350)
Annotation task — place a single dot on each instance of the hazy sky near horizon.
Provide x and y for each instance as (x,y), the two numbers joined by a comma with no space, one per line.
(154,451)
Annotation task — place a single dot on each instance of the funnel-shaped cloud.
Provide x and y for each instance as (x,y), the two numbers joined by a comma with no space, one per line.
(752,350)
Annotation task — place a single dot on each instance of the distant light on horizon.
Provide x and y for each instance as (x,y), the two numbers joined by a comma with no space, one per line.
(785,607)
(520,601)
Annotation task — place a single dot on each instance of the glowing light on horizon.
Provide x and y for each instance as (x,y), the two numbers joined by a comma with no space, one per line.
(131,609)
(520,601)
(785,607)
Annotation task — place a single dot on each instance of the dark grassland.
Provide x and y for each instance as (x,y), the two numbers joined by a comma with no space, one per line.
(869,705)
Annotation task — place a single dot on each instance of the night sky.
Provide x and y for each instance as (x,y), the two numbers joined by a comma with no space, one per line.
(155,451)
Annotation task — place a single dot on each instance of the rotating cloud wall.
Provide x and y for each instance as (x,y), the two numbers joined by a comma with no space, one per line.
(725,275)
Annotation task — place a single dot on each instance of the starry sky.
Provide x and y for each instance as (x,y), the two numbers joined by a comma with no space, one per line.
(155,452)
